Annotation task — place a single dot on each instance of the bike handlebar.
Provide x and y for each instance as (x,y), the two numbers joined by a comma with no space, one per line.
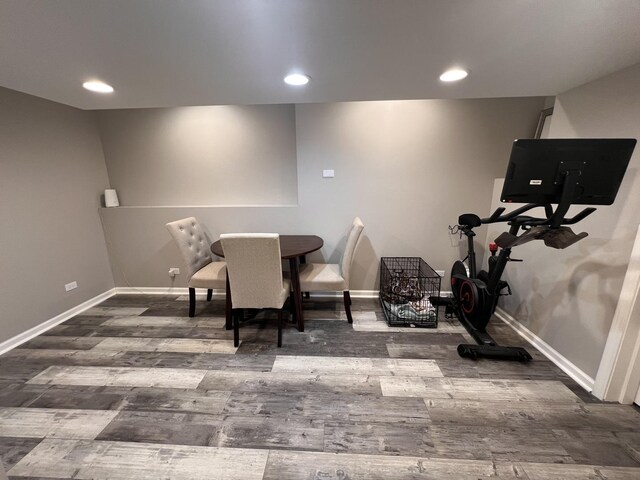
(497,216)
(580,216)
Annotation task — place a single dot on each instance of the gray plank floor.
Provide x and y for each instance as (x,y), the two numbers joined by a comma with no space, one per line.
(134,388)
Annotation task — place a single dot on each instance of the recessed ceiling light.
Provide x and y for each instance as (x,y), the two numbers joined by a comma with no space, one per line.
(296,79)
(454,75)
(97,86)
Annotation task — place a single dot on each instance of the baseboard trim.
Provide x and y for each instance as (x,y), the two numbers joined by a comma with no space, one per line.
(353,294)
(162,291)
(185,291)
(52,322)
(584,380)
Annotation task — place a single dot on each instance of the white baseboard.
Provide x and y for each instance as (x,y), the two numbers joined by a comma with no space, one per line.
(353,293)
(185,291)
(357,294)
(161,291)
(584,380)
(52,322)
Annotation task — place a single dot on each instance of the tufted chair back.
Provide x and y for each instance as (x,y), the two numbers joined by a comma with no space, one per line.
(192,242)
(350,248)
(255,269)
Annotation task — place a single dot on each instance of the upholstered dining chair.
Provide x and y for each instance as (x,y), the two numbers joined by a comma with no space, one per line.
(327,277)
(202,271)
(255,275)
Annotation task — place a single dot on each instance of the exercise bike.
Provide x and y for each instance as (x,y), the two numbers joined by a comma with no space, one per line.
(543,173)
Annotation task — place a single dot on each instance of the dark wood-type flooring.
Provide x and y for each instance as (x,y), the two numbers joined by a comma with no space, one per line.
(134,388)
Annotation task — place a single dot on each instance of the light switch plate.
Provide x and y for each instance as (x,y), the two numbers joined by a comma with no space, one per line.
(328,174)
(70,286)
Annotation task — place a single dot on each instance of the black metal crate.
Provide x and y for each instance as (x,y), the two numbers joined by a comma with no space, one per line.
(406,283)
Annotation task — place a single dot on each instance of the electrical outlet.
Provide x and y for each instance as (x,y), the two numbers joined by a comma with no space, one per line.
(440,272)
(328,174)
(70,286)
(173,271)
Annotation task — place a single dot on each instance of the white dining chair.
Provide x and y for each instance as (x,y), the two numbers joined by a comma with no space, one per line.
(202,271)
(327,277)
(255,276)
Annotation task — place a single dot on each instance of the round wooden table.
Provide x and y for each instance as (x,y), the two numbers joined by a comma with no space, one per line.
(292,248)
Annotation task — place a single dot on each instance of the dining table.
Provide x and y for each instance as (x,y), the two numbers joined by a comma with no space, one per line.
(293,248)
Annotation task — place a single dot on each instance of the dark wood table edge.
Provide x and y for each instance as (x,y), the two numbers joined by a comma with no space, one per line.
(216,247)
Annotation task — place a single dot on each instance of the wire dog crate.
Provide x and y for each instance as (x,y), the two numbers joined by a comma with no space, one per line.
(406,283)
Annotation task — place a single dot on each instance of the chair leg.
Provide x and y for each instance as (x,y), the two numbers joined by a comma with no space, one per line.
(209,294)
(236,327)
(228,307)
(347,305)
(192,302)
(280,321)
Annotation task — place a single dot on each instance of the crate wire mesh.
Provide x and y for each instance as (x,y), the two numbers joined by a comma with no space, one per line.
(406,283)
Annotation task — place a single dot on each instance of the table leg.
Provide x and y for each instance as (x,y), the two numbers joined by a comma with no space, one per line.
(303,260)
(227,308)
(297,295)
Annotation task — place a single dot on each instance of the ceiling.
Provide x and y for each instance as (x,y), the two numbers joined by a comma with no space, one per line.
(204,52)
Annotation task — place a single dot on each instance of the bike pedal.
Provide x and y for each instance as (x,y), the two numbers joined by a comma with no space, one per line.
(501,286)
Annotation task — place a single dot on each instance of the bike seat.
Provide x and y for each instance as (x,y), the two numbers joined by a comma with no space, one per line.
(470,220)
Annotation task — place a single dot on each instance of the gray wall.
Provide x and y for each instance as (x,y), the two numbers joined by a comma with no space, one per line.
(214,155)
(568,297)
(408,168)
(52,172)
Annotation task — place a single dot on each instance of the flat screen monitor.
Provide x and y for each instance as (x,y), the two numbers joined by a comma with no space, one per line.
(537,169)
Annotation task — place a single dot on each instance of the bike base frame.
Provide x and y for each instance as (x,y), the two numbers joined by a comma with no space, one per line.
(487,347)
